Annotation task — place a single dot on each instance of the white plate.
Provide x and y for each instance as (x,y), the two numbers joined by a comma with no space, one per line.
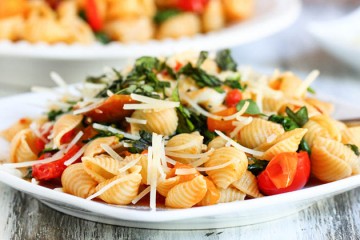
(217,216)
(340,37)
(270,16)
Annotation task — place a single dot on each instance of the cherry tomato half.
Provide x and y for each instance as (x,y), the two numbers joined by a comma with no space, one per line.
(222,125)
(233,97)
(197,6)
(93,16)
(47,171)
(286,172)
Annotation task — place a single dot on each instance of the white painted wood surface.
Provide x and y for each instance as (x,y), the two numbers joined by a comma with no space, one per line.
(23,217)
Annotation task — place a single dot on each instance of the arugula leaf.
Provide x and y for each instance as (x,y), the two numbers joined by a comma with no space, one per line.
(201,78)
(103,134)
(102,37)
(202,57)
(142,144)
(184,125)
(300,117)
(256,166)
(252,109)
(311,90)
(285,121)
(234,82)
(225,61)
(53,114)
(304,146)
(354,148)
(162,16)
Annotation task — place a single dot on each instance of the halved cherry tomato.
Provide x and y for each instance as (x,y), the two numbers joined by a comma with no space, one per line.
(93,16)
(68,136)
(47,171)
(286,172)
(178,66)
(111,111)
(39,144)
(233,97)
(222,125)
(197,6)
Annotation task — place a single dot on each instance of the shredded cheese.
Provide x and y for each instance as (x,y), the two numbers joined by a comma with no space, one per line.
(74,141)
(306,83)
(55,157)
(58,79)
(238,146)
(149,106)
(171,161)
(141,195)
(181,147)
(200,109)
(200,162)
(188,155)
(109,93)
(129,165)
(185,171)
(75,157)
(89,107)
(239,113)
(60,189)
(203,169)
(35,129)
(34,181)
(111,152)
(271,138)
(135,120)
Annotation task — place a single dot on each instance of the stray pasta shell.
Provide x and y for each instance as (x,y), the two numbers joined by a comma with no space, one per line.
(257,132)
(21,147)
(248,185)
(216,143)
(212,195)
(10,132)
(185,138)
(163,187)
(94,148)
(332,160)
(321,126)
(230,195)
(288,142)
(323,107)
(77,182)
(351,136)
(65,124)
(163,122)
(223,177)
(273,105)
(121,193)
(101,167)
(187,194)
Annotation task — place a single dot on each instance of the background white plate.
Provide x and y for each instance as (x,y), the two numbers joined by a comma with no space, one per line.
(217,216)
(270,16)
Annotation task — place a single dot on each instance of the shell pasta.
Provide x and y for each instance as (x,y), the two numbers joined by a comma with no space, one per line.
(185,131)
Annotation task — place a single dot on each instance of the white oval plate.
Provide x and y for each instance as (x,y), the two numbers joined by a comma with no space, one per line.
(216,216)
(270,16)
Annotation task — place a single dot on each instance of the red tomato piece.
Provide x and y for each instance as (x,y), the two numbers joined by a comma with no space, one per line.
(286,172)
(196,6)
(233,97)
(222,125)
(39,144)
(177,66)
(47,171)
(93,16)
(106,114)
(68,136)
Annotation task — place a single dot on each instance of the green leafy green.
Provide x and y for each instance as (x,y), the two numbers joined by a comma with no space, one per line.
(354,148)
(256,166)
(225,61)
(103,134)
(252,109)
(234,82)
(311,90)
(48,150)
(163,15)
(142,144)
(285,121)
(300,117)
(102,37)
(304,146)
(184,125)
(202,57)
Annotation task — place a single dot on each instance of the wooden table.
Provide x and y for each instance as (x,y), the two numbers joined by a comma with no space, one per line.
(23,217)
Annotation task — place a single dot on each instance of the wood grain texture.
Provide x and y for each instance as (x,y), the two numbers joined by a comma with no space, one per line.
(23,217)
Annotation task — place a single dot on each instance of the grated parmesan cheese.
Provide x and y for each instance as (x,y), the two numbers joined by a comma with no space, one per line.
(135,120)
(141,195)
(76,156)
(88,108)
(129,165)
(306,83)
(185,171)
(55,157)
(203,169)
(74,141)
(111,152)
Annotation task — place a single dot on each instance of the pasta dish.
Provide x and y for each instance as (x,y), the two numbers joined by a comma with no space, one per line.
(189,130)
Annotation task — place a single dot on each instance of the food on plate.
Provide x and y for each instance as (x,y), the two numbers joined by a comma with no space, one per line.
(85,21)
(184,131)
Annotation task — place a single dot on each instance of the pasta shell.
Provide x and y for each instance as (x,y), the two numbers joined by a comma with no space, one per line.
(289,82)
(187,194)
(94,148)
(351,136)
(216,143)
(212,195)
(248,185)
(65,124)
(77,182)
(323,107)
(288,142)
(10,132)
(257,132)
(163,187)
(273,105)
(230,195)
(163,122)
(332,160)
(185,138)
(123,192)
(321,126)
(223,177)
(101,167)
(143,162)
(22,147)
